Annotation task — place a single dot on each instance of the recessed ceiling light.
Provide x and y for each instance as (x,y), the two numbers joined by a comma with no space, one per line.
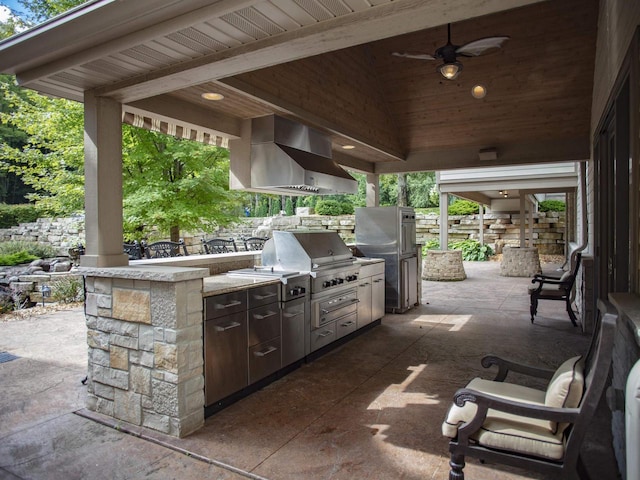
(212,96)
(479,91)
(348,147)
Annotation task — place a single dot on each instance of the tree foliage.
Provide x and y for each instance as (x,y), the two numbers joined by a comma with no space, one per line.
(51,157)
(172,183)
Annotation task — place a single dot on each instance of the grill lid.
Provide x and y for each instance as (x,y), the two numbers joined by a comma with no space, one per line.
(306,251)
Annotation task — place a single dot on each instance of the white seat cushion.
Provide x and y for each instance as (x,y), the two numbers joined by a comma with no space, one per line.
(506,431)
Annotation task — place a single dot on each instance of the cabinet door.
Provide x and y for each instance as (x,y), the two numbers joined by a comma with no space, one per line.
(225,350)
(377,296)
(364,302)
(294,322)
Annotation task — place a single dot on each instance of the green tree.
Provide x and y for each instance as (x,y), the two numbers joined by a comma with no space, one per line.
(419,185)
(48,154)
(174,184)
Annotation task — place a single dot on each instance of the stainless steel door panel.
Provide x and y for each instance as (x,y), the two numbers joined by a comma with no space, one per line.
(327,309)
(225,356)
(263,295)
(264,359)
(226,304)
(264,323)
(323,336)
(346,325)
(294,324)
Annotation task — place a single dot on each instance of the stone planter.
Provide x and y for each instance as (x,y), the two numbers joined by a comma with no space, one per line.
(443,266)
(520,262)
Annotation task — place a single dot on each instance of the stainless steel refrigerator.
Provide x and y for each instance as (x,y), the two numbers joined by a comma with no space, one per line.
(390,233)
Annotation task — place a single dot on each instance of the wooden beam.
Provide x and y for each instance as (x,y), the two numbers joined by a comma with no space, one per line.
(167,108)
(543,151)
(382,21)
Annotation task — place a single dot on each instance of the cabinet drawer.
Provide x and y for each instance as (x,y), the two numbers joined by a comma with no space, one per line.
(226,304)
(371,269)
(347,324)
(264,323)
(323,336)
(264,359)
(263,295)
(225,356)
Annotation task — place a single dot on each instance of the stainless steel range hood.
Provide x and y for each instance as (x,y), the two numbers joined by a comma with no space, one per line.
(291,158)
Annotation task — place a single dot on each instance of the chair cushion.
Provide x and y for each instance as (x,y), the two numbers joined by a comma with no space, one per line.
(506,431)
(566,387)
(550,288)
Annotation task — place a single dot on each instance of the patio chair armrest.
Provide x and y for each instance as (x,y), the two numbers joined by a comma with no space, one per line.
(485,401)
(539,276)
(506,366)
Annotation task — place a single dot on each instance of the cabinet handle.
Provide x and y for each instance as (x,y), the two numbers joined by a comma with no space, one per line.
(326,333)
(262,297)
(262,317)
(347,324)
(291,315)
(229,305)
(220,328)
(266,352)
(376,281)
(363,284)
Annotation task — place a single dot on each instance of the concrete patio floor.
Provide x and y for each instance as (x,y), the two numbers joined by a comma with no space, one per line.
(371,409)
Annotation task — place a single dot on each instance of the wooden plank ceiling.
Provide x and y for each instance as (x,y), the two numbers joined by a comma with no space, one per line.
(328,63)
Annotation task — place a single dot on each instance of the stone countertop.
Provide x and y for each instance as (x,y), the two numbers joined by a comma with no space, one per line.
(218,284)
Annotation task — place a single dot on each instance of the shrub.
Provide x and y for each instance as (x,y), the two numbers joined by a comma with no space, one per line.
(472,250)
(13,215)
(463,207)
(67,290)
(328,207)
(552,206)
(11,259)
(38,250)
(347,208)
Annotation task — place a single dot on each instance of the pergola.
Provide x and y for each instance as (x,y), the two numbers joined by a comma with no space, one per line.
(325,63)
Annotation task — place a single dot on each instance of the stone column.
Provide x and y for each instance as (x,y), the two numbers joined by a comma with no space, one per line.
(145,342)
(103,182)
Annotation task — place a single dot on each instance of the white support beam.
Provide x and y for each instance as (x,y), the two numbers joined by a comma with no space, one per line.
(522,220)
(103,183)
(170,109)
(444,221)
(481,224)
(373,190)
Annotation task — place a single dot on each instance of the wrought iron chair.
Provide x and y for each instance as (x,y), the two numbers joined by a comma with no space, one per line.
(165,249)
(556,288)
(219,245)
(534,429)
(134,250)
(254,243)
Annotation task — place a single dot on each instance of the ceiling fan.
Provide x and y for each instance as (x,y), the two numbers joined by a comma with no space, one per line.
(451,68)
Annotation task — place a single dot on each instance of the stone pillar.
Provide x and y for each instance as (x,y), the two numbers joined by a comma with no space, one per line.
(443,265)
(520,262)
(145,346)
(373,190)
(103,182)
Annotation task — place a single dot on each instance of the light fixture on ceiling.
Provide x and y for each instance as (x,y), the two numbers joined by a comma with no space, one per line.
(348,147)
(214,96)
(504,193)
(450,70)
(478,91)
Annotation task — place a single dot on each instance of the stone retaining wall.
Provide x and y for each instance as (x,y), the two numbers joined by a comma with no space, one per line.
(500,229)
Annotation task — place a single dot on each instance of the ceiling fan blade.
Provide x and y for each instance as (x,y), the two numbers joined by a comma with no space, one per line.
(480,46)
(419,56)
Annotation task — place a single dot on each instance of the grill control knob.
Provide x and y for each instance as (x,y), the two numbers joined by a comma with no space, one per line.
(340,281)
(334,281)
(326,283)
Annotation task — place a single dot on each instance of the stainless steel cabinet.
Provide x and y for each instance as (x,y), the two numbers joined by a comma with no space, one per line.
(371,291)
(225,353)
(377,296)
(346,325)
(294,324)
(264,339)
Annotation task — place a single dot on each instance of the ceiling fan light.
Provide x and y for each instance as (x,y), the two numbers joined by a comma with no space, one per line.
(450,70)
